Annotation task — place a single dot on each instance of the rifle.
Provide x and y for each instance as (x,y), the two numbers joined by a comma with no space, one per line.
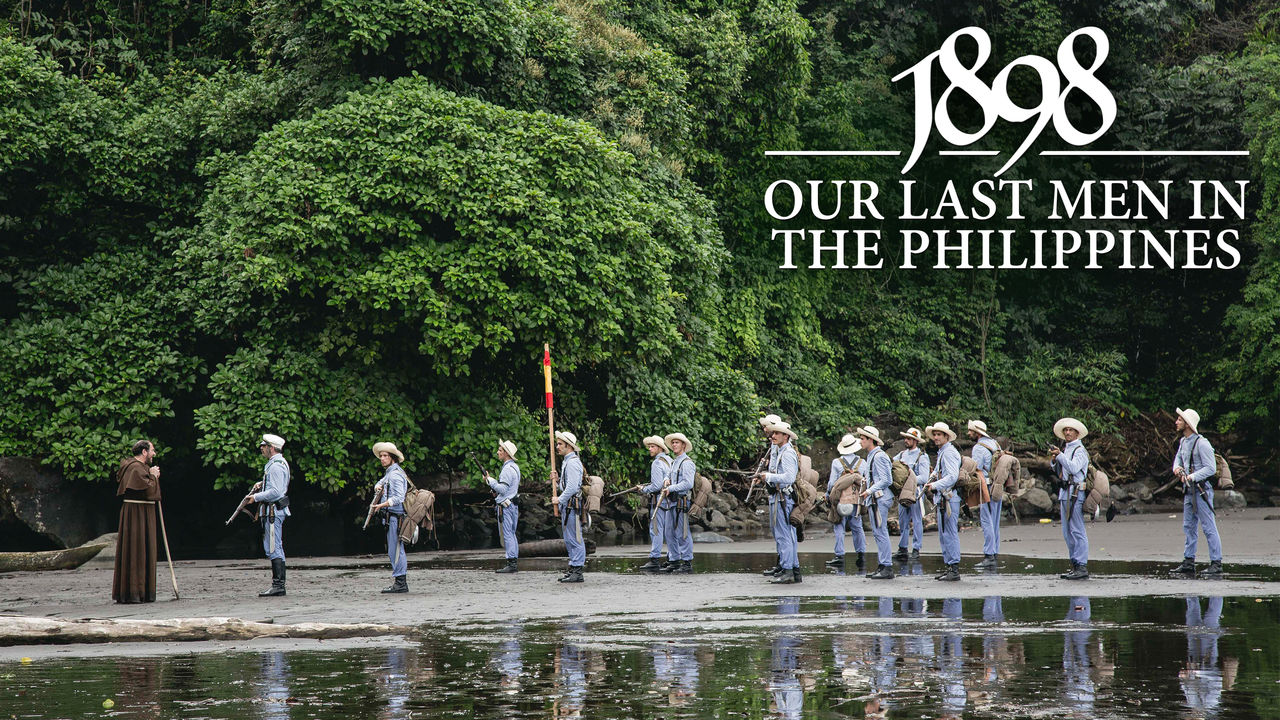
(377,496)
(472,457)
(623,492)
(244,503)
(755,475)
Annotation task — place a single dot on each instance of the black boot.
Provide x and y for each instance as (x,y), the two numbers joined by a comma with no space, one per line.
(786,577)
(1067,575)
(685,567)
(1080,573)
(915,554)
(1188,567)
(399,584)
(861,560)
(277,580)
(510,567)
(650,566)
(952,574)
(988,563)
(669,567)
(837,560)
(883,572)
(901,554)
(1215,568)
(795,574)
(573,576)
(773,571)
(943,572)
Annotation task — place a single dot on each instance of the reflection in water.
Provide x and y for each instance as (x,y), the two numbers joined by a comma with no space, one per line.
(275,686)
(571,676)
(1201,679)
(814,658)
(784,662)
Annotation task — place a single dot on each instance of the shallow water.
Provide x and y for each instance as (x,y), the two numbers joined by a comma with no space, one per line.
(781,658)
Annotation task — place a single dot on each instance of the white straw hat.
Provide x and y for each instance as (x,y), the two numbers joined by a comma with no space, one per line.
(848,444)
(979,427)
(769,420)
(509,447)
(914,434)
(942,428)
(1191,417)
(274,441)
(871,433)
(655,440)
(1070,423)
(379,448)
(569,439)
(783,427)
(678,436)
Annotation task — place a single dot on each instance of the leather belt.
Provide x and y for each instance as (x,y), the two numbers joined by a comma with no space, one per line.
(141,502)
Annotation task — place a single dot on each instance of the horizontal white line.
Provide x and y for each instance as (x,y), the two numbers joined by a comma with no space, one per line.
(800,153)
(1148,153)
(968,152)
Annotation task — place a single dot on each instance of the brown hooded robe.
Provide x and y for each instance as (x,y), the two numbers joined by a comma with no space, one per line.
(135,574)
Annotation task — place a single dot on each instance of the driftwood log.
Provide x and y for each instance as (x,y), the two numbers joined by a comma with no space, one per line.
(48,631)
(551,548)
(67,559)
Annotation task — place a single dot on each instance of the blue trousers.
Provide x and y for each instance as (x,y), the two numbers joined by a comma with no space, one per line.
(572,529)
(395,548)
(1073,532)
(784,535)
(675,528)
(1197,515)
(911,519)
(852,524)
(989,515)
(275,529)
(655,530)
(880,530)
(510,516)
(948,530)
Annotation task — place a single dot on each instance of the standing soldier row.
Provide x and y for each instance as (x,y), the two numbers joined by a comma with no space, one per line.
(670,487)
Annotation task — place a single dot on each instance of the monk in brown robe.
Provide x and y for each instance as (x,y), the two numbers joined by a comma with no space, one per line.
(135,575)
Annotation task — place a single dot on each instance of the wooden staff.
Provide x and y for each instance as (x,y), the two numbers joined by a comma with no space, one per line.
(551,424)
(165,536)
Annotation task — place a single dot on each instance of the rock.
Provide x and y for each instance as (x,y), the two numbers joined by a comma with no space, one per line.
(1118,493)
(41,509)
(717,521)
(605,526)
(1136,491)
(1231,499)
(710,537)
(718,502)
(1034,502)
(730,500)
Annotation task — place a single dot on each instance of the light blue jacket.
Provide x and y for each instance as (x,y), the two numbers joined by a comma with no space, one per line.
(1071,464)
(879,474)
(682,471)
(507,486)
(275,482)
(948,468)
(658,471)
(982,454)
(837,469)
(1202,459)
(784,465)
(570,480)
(394,485)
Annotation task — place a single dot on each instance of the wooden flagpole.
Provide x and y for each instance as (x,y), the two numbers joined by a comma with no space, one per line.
(551,423)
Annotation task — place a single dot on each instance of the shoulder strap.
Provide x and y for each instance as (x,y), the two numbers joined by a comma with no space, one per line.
(665,459)
(1191,459)
(844,464)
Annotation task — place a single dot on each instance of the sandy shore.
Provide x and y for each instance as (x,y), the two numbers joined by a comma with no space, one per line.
(345,590)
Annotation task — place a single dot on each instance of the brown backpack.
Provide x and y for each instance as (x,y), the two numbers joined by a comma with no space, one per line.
(701,496)
(419,512)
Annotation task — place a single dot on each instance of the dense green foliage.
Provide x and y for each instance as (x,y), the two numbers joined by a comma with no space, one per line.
(350,221)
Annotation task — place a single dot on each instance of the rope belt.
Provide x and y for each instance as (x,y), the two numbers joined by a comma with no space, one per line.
(141,502)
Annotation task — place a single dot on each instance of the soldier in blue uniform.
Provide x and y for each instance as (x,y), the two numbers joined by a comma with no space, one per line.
(942,483)
(1071,463)
(394,484)
(1194,464)
(911,519)
(878,497)
(506,502)
(674,505)
(784,465)
(984,449)
(851,521)
(272,496)
(659,470)
(569,480)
